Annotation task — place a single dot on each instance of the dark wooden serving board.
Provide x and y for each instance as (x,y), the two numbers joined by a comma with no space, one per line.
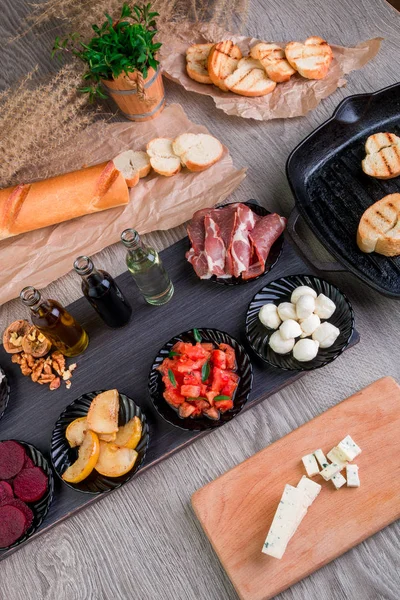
(122,359)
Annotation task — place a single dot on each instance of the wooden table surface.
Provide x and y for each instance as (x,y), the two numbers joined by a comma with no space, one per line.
(143,541)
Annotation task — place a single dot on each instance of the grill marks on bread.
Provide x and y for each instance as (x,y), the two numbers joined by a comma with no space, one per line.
(250,79)
(196,62)
(311,59)
(272,57)
(222,62)
(382,160)
(379,227)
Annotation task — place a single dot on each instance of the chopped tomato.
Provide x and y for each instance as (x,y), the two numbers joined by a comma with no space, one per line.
(212,413)
(190,391)
(230,355)
(174,397)
(210,396)
(186,410)
(223,405)
(218,358)
(207,347)
(219,379)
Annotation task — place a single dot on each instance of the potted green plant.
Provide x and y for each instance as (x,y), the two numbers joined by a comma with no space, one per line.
(121,60)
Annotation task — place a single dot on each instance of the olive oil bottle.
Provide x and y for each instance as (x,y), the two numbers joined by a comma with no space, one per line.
(55,323)
(146,268)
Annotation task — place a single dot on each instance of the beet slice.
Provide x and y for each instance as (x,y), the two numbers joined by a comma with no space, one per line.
(30,484)
(12,525)
(6,492)
(28,464)
(12,458)
(23,508)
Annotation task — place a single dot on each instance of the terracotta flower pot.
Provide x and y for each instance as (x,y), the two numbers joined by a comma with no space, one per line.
(138,100)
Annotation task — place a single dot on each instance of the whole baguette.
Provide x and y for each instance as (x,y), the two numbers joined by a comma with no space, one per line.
(30,206)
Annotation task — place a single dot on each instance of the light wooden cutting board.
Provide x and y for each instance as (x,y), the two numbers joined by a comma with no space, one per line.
(236,510)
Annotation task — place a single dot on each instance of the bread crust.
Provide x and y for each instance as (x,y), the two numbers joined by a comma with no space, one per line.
(382,160)
(311,59)
(155,157)
(222,61)
(273,59)
(379,227)
(196,62)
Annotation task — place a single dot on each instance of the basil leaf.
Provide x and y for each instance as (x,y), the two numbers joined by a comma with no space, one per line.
(221,398)
(205,371)
(172,377)
(196,335)
(172,354)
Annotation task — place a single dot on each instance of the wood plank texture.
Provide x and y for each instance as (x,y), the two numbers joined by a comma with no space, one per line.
(144,540)
(237,509)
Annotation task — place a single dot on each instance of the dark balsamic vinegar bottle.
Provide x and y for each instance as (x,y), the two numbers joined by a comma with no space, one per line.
(101,291)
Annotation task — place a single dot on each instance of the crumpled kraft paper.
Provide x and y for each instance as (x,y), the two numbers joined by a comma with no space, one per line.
(39,257)
(293,98)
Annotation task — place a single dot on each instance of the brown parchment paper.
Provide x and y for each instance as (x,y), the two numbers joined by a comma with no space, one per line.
(157,202)
(293,98)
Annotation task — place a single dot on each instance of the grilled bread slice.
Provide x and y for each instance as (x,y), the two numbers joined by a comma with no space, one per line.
(197,151)
(133,166)
(250,79)
(379,227)
(311,58)
(273,59)
(222,61)
(162,157)
(196,62)
(383,156)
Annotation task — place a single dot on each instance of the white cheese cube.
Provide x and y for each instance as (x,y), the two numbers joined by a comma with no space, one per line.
(338,480)
(310,489)
(331,470)
(321,458)
(337,455)
(353,479)
(310,465)
(291,509)
(349,448)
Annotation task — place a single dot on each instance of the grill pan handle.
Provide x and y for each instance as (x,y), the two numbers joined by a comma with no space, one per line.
(305,250)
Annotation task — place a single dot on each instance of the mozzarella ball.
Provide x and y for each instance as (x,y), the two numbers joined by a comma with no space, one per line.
(305,350)
(326,334)
(309,325)
(305,306)
(302,290)
(324,307)
(269,317)
(279,345)
(290,329)
(287,310)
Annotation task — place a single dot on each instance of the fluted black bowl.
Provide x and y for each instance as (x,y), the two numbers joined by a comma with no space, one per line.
(244,370)
(281,290)
(62,455)
(41,507)
(4,392)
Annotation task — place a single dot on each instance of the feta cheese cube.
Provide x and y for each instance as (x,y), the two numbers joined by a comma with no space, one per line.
(310,465)
(353,479)
(349,448)
(310,488)
(331,470)
(337,455)
(338,480)
(321,458)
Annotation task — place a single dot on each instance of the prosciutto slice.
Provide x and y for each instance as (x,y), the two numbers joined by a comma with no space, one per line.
(196,255)
(266,231)
(214,247)
(240,248)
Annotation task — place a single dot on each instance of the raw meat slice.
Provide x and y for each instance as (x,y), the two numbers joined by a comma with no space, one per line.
(199,263)
(30,485)
(6,492)
(214,247)
(12,457)
(226,221)
(240,248)
(12,525)
(196,255)
(28,514)
(266,231)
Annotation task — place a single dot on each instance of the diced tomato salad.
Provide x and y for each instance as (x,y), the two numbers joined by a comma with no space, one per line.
(200,379)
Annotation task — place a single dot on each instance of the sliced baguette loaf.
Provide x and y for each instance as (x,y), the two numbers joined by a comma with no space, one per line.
(222,61)
(250,79)
(196,62)
(133,166)
(311,58)
(383,156)
(379,227)
(197,151)
(162,157)
(273,59)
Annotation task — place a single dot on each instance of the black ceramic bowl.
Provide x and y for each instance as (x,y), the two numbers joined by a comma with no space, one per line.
(273,256)
(280,291)
(62,455)
(244,370)
(40,507)
(4,392)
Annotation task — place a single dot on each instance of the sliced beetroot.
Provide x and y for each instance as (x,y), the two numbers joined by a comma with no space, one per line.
(24,508)
(6,492)
(28,463)
(30,484)
(12,525)
(12,458)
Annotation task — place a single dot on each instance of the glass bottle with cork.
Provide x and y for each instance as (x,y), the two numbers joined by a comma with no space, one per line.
(101,291)
(49,317)
(146,268)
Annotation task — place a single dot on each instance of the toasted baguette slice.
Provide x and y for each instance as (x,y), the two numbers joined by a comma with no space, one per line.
(196,62)
(250,79)
(383,156)
(222,61)
(197,151)
(379,227)
(162,157)
(133,166)
(311,59)
(273,59)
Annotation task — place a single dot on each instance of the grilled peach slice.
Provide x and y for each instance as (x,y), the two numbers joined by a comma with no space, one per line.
(108,437)
(87,458)
(75,432)
(129,435)
(102,416)
(114,461)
